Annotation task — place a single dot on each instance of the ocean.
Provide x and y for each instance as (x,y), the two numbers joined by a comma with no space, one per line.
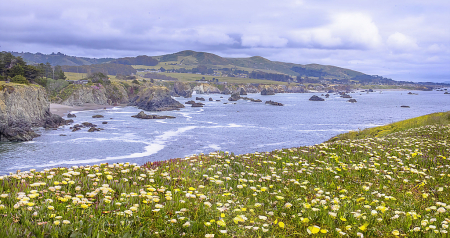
(239,127)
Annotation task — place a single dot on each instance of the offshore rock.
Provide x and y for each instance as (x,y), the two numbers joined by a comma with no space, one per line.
(274,103)
(142,115)
(316,98)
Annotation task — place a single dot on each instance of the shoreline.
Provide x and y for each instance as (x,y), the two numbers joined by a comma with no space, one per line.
(63,110)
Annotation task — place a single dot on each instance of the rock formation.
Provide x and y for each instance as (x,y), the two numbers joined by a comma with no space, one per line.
(23,107)
(268,91)
(316,98)
(142,115)
(274,103)
(181,89)
(155,99)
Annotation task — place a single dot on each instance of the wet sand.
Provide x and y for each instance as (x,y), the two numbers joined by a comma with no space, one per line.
(63,110)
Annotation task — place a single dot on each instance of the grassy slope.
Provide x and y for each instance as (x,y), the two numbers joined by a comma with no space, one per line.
(441,118)
(394,185)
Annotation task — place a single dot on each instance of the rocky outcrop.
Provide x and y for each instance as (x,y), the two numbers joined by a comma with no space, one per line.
(205,88)
(268,91)
(352,100)
(181,89)
(274,103)
(77,95)
(142,115)
(316,98)
(116,94)
(23,107)
(234,97)
(155,99)
(242,91)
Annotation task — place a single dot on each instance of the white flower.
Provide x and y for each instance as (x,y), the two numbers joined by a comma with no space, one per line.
(187,224)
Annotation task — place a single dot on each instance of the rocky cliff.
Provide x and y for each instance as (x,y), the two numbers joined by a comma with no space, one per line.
(155,98)
(21,108)
(248,88)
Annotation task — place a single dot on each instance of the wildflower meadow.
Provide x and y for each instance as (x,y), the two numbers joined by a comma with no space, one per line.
(395,185)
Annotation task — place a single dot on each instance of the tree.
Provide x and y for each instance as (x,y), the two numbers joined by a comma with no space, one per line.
(59,73)
(162,69)
(19,79)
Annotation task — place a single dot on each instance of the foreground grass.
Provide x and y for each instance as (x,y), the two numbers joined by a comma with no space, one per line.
(395,185)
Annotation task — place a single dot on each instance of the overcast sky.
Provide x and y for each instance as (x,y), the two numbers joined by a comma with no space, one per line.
(404,39)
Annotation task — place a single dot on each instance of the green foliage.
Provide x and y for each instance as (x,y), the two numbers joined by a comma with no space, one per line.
(441,118)
(136,82)
(19,79)
(55,86)
(107,69)
(67,91)
(99,78)
(139,60)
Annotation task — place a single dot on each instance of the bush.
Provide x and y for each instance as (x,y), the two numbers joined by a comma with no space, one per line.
(19,79)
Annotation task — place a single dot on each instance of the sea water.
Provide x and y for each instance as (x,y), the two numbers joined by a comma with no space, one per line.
(239,127)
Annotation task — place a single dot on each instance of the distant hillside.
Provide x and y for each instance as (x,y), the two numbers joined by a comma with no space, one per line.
(107,69)
(189,57)
(59,59)
(189,61)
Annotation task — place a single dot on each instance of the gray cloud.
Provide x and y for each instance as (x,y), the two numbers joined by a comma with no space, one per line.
(405,40)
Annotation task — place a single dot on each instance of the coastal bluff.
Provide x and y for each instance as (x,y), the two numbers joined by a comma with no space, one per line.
(23,107)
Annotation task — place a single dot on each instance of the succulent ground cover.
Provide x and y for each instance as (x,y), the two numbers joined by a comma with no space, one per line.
(394,185)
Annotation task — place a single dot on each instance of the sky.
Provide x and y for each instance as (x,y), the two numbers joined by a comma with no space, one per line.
(400,39)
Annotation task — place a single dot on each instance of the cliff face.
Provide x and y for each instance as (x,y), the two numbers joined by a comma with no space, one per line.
(22,107)
(80,94)
(229,89)
(155,99)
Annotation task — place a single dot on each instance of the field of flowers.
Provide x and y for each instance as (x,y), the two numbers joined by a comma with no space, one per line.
(396,185)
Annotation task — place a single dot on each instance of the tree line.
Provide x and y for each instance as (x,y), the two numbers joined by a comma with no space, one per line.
(270,76)
(107,69)
(139,60)
(16,70)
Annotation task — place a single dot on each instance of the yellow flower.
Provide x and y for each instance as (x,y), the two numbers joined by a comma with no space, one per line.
(109,177)
(50,208)
(343,219)
(313,229)
(395,232)
(66,222)
(364,226)
(57,222)
(323,231)
(222,215)
(221,223)
(305,220)
(281,224)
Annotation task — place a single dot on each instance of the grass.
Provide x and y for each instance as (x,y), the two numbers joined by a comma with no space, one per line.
(396,184)
(441,118)
(78,76)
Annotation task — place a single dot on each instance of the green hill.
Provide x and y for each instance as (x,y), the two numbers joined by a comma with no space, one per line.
(189,59)
(59,59)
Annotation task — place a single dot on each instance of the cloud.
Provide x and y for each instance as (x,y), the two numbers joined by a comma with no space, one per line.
(345,31)
(406,38)
(399,42)
(263,41)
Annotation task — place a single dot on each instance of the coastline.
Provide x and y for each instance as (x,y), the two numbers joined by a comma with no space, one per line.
(63,110)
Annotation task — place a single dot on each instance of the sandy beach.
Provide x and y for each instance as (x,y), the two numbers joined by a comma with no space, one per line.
(63,110)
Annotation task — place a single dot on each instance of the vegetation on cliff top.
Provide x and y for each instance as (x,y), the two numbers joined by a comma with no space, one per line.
(393,185)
